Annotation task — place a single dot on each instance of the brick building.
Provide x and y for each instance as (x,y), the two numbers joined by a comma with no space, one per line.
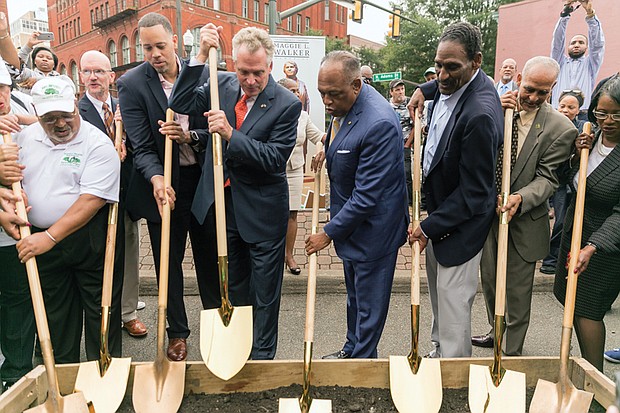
(110,26)
(525,30)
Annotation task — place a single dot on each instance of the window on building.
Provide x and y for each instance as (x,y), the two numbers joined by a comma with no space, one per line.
(79,26)
(112,53)
(307,24)
(203,3)
(139,52)
(266,17)
(74,75)
(196,44)
(92,18)
(256,10)
(289,24)
(62,70)
(244,8)
(125,50)
(326,9)
(298,23)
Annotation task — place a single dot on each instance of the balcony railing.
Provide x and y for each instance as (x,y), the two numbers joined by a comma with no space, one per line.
(116,11)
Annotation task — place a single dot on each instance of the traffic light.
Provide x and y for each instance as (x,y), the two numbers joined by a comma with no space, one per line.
(358,11)
(394,23)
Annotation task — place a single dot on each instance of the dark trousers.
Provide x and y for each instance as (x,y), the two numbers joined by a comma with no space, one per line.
(255,278)
(71,276)
(369,285)
(17,326)
(408,177)
(561,200)
(204,251)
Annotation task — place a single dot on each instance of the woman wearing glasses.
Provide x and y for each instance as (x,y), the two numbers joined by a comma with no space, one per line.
(598,264)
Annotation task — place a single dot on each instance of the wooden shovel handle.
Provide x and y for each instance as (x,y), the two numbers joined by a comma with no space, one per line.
(118,136)
(415,222)
(36,294)
(502,232)
(312,259)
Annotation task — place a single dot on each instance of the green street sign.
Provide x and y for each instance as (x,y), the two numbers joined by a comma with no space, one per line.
(386,77)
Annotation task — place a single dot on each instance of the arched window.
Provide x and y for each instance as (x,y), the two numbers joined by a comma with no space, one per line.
(125,50)
(112,53)
(74,75)
(138,45)
(63,69)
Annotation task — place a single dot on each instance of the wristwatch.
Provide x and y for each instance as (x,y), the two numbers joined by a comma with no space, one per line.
(195,140)
(593,245)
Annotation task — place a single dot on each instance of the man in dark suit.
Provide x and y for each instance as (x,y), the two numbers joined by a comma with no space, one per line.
(143,95)
(465,128)
(258,123)
(368,198)
(97,107)
(545,138)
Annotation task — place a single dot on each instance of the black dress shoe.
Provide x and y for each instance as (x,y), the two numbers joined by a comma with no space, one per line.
(485,340)
(547,269)
(295,271)
(337,355)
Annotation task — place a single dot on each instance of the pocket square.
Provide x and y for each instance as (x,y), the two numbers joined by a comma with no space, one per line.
(343,151)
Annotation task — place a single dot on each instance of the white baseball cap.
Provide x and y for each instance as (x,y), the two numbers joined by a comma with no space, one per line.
(53,94)
(5,78)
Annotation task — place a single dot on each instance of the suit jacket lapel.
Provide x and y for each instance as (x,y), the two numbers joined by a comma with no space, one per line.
(261,105)
(347,123)
(152,80)
(531,141)
(605,168)
(90,114)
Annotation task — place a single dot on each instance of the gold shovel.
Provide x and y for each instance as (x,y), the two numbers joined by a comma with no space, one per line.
(495,389)
(415,383)
(563,396)
(305,404)
(158,386)
(55,402)
(104,381)
(225,332)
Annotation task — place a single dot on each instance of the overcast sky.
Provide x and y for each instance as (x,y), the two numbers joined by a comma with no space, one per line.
(373,27)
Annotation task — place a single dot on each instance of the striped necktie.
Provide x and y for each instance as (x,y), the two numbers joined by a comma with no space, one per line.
(108,119)
(514,146)
(241,109)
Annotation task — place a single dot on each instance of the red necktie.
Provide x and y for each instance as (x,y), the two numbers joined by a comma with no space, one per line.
(108,119)
(241,109)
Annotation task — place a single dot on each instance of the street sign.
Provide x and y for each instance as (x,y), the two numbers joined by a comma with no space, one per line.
(386,77)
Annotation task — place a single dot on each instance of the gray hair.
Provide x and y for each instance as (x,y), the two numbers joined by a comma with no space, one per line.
(350,63)
(253,39)
(287,83)
(541,62)
(153,19)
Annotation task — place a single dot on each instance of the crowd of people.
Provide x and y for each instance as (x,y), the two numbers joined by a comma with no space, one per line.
(367,154)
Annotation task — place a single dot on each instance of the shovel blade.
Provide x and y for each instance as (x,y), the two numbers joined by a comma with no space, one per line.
(550,398)
(158,388)
(485,397)
(292,406)
(107,392)
(420,392)
(226,349)
(73,403)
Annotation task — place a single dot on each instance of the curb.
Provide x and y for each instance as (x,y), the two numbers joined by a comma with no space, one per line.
(328,282)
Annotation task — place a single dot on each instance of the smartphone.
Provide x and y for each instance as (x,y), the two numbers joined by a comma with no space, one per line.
(49,36)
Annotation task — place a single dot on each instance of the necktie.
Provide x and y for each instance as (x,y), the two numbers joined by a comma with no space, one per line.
(241,109)
(108,119)
(514,146)
(335,128)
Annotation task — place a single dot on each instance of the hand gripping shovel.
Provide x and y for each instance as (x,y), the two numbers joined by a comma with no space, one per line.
(305,404)
(55,402)
(415,383)
(158,386)
(563,396)
(495,389)
(104,381)
(225,332)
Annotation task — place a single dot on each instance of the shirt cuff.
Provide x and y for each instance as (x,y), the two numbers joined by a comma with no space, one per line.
(195,62)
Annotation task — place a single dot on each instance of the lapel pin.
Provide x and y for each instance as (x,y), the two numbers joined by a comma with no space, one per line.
(538,126)
(262,105)
(349,122)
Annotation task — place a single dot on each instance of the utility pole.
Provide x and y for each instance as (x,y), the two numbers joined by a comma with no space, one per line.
(179,30)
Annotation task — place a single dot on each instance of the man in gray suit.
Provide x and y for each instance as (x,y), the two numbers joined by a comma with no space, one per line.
(545,137)
(507,73)
(258,125)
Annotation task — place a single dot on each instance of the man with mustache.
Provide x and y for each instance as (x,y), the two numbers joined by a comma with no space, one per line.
(465,129)
(507,73)
(71,172)
(578,70)
(544,139)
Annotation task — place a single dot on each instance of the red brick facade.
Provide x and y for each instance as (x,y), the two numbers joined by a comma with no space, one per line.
(98,24)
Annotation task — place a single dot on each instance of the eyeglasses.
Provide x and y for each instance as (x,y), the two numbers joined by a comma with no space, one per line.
(367,80)
(96,72)
(577,91)
(603,116)
(52,119)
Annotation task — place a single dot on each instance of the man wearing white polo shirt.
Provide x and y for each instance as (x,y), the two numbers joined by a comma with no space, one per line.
(72,171)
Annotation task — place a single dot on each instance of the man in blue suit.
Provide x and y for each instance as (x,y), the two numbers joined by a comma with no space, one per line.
(465,128)
(258,125)
(369,213)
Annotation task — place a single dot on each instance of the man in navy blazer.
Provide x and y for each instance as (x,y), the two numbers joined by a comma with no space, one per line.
(368,198)
(256,149)
(143,93)
(465,128)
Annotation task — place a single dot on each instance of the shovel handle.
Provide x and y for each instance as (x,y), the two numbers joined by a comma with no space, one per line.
(118,136)
(417,194)
(36,294)
(502,233)
(312,259)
